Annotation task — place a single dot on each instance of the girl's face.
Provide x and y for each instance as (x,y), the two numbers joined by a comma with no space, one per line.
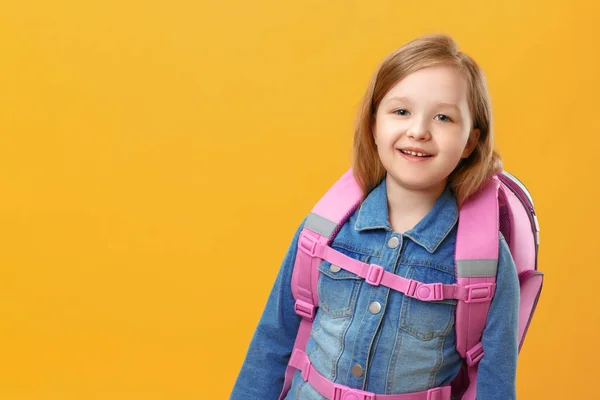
(425,113)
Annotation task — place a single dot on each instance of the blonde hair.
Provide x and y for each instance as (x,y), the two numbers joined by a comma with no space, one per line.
(427,51)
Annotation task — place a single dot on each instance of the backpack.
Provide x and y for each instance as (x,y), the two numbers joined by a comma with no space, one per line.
(503,205)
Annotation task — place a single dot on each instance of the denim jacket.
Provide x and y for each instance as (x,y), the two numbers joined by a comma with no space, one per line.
(374,338)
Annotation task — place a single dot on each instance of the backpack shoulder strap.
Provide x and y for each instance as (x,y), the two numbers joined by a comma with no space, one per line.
(477,245)
(321,226)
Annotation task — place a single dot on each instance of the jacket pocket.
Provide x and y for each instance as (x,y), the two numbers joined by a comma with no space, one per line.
(338,288)
(427,320)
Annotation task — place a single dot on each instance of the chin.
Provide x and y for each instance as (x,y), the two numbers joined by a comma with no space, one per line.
(413,183)
(416,183)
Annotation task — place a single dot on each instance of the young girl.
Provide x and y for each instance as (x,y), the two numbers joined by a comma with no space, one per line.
(423,144)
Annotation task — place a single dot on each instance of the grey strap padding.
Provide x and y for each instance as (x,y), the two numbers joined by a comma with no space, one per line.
(477,268)
(319,225)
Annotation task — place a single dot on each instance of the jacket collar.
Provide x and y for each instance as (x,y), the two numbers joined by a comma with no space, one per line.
(428,233)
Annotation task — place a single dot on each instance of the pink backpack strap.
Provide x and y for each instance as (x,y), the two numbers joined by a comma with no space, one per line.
(320,227)
(333,391)
(375,275)
(477,246)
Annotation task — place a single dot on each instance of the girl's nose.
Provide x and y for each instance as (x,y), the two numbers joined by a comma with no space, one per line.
(419,131)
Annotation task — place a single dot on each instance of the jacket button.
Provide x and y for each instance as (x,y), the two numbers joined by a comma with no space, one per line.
(334,268)
(393,242)
(357,370)
(375,307)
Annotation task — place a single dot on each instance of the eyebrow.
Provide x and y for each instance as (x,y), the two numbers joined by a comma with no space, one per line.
(406,99)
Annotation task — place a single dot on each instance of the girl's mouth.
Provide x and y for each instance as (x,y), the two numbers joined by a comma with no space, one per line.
(414,156)
(414,153)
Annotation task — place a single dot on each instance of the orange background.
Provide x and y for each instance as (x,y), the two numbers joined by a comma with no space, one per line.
(156,158)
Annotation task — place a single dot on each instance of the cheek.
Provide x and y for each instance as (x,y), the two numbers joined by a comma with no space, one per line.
(386,131)
(456,143)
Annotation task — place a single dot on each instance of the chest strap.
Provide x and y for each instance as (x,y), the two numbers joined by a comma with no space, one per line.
(333,391)
(375,275)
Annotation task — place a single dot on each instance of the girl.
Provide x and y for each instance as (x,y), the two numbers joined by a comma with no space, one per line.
(423,144)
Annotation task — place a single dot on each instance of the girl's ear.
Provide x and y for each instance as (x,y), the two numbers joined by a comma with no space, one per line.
(471,143)
(374,132)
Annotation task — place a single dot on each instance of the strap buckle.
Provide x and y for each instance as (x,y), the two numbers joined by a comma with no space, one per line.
(305,310)
(308,244)
(425,291)
(374,274)
(341,392)
(480,292)
(474,355)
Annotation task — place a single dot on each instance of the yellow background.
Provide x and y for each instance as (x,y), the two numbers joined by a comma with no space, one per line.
(156,158)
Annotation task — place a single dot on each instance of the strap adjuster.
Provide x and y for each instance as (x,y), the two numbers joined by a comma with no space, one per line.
(374,274)
(341,392)
(480,292)
(474,355)
(425,291)
(308,244)
(305,310)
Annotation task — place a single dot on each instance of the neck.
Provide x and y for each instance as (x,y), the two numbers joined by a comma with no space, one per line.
(406,207)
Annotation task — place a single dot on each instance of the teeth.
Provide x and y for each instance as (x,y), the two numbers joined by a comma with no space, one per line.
(412,153)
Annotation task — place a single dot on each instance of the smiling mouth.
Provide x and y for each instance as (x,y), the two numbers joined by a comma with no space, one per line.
(415,153)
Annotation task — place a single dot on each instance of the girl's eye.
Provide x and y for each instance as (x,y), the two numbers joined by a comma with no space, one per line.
(401,111)
(444,116)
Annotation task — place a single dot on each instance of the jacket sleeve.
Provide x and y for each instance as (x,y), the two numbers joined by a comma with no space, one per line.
(263,371)
(496,376)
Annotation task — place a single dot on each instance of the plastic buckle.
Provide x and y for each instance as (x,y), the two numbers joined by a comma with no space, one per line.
(425,291)
(430,292)
(412,288)
(474,355)
(434,394)
(308,244)
(341,392)
(305,310)
(480,292)
(374,275)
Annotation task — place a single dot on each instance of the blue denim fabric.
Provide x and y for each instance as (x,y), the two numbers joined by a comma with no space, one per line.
(409,345)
